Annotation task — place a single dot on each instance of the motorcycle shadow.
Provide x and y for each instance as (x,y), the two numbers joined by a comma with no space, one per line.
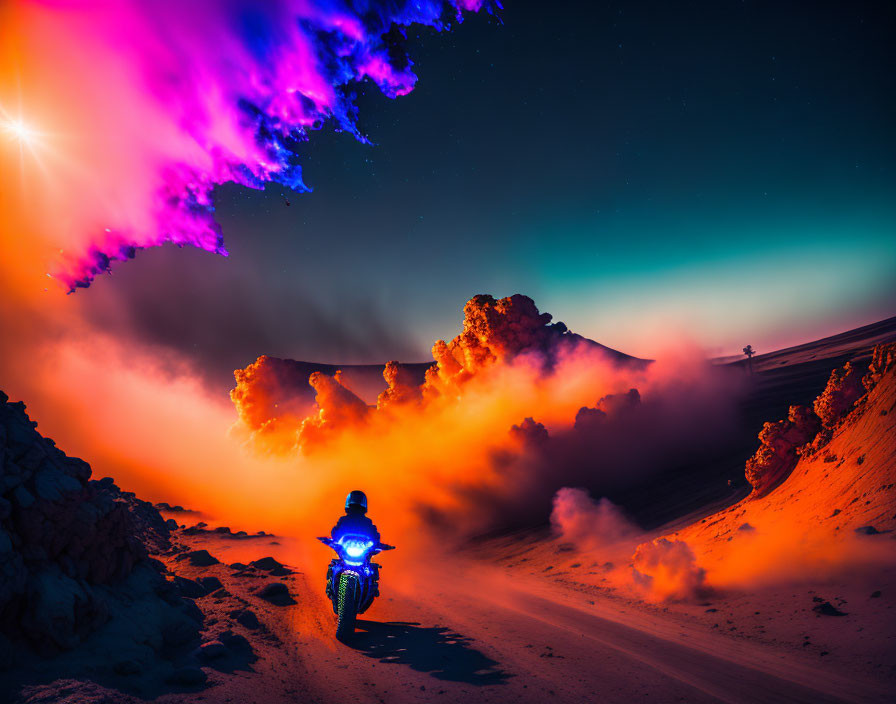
(442,653)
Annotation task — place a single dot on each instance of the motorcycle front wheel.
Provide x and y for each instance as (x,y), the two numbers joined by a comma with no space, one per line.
(347,606)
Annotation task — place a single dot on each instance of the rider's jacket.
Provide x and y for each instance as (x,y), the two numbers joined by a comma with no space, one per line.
(356,523)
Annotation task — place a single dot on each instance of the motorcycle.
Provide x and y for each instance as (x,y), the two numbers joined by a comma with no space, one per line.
(352,579)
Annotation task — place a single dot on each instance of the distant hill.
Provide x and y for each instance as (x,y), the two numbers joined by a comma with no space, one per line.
(795,375)
(366,380)
(853,344)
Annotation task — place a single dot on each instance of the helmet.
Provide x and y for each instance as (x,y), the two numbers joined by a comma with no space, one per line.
(357,501)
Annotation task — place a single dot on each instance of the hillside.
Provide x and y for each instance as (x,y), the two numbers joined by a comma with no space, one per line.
(841,493)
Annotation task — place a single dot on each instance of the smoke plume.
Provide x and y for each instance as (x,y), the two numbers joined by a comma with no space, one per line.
(513,409)
(163,101)
(667,569)
(586,523)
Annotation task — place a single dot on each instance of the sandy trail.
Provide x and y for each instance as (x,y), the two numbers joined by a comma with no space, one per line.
(508,640)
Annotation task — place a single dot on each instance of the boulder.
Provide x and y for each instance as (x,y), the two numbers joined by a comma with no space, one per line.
(199,558)
(246,618)
(269,564)
(190,588)
(62,536)
(211,650)
(188,677)
(276,593)
(209,584)
(779,444)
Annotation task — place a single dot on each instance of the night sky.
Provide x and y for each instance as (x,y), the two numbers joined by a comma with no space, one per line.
(719,170)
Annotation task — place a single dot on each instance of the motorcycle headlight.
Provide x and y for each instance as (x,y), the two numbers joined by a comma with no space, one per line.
(356,548)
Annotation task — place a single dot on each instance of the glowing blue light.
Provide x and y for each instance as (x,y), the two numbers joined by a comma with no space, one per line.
(356,548)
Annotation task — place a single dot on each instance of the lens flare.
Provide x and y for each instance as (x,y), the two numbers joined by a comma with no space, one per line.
(20,132)
(165,101)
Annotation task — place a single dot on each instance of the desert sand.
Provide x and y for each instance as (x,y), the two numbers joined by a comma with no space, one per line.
(794,599)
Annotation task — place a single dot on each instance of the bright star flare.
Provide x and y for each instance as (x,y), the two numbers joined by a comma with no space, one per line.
(19,131)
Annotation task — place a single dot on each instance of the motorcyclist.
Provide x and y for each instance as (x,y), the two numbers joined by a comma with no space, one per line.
(355,520)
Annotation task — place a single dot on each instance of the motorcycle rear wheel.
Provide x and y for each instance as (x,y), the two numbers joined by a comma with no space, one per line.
(347,606)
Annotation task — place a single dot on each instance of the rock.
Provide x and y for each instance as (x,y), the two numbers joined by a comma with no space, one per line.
(246,618)
(868,530)
(180,630)
(189,588)
(276,593)
(875,594)
(23,497)
(269,564)
(188,677)
(222,532)
(211,650)
(883,361)
(55,479)
(826,608)
(235,642)
(62,535)
(843,389)
(171,523)
(209,584)
(188,607)
(779,443)
(60,611)
(199,558)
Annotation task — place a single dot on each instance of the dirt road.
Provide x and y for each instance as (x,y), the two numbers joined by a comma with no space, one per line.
(502,641)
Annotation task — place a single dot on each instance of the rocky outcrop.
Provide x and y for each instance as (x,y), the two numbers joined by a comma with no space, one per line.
(64,540)
(779,443)
(807,430)
(843,389)
(883,361)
